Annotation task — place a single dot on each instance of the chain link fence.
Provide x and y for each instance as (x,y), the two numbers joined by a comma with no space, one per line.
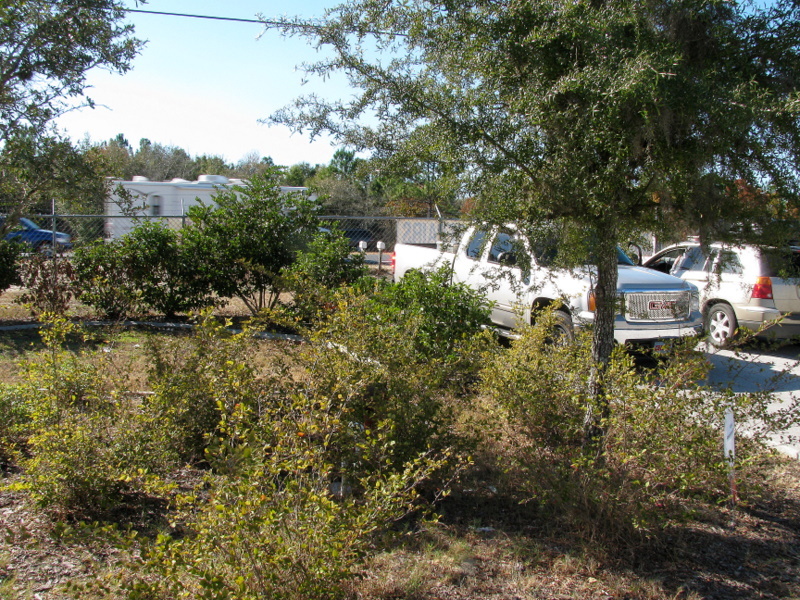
(84,229)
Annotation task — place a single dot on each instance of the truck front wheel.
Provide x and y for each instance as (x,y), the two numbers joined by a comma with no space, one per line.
(563,332)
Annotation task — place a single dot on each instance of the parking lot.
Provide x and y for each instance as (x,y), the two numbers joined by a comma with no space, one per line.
(754,370)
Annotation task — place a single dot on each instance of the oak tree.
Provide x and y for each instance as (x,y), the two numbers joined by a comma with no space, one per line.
(601,117)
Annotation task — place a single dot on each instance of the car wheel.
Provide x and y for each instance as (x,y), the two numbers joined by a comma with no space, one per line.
(721,325)
(563,332)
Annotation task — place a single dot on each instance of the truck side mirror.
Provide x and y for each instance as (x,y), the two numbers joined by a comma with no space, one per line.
(507,258)
(635,253)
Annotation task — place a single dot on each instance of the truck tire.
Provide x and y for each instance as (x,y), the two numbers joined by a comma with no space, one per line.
(720,325)
(563,331)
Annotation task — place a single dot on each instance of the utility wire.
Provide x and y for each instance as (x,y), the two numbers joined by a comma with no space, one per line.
(210,17)
(264,22)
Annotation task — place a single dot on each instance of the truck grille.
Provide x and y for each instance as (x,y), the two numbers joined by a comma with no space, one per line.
(662,306)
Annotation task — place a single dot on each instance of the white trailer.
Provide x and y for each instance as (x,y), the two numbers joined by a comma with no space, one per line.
(168,201)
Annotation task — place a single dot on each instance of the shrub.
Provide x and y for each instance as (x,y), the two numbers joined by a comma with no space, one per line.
(663,435)
(286,508)
(49,283)
(324,266)
(71,421)
(9,267)
(14,424)
(197,381)
(148,268)
(244,243)
(401,355)
(163,270)
(277,517)
(73,468)
(105,280)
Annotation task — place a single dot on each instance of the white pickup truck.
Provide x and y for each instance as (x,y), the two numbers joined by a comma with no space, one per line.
(653,306)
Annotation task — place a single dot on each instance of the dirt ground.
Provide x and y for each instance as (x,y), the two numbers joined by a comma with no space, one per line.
(487,548)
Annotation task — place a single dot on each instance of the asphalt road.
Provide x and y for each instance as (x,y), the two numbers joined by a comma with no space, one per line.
(754,370)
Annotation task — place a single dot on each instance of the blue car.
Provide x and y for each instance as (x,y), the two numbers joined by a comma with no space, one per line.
(29,233)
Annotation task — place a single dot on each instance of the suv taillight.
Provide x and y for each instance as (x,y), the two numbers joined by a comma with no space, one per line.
(393,260)
(762,290)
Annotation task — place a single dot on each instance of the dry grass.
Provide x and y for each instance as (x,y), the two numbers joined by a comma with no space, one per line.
(750,552)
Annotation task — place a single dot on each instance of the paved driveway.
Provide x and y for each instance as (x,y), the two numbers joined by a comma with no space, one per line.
(754,370)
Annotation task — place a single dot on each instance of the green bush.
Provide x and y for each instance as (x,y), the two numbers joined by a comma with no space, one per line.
(244,243)
(277,516)
(148,268)
(14,425)
(286,507)
(164,270)
(401,355)
(73,468)
(9,266)
(662,446)
(104,279)
(324,266)
(197,380)
(70,423)
(294,492)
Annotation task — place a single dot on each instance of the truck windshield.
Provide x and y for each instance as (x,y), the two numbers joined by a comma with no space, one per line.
(546,256)
(623,258)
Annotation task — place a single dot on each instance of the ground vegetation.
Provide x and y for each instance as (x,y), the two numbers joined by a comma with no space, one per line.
(399,451)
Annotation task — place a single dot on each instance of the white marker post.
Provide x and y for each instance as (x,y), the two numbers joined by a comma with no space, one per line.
(381,248)
(729,449)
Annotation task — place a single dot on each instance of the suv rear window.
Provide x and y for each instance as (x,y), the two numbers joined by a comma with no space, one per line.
(783,263)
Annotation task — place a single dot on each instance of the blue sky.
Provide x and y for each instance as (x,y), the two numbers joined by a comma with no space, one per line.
(202,85)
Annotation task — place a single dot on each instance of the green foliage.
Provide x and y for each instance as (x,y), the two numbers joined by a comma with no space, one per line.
(607,118)
(663,442)
(398,354)
(49,283)
(73,468)
(9,267)
(298,175)
(245,242)
(287,522)
(47,50)
(197,382)
(39,170)
(14,425)
(66,422)
(450,312)
(324,266)
(148,268)
(104,280)
(163,269)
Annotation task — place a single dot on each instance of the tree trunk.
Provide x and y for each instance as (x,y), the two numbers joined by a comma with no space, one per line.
(605,292)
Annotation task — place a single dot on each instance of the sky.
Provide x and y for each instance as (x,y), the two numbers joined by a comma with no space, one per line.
(203,85)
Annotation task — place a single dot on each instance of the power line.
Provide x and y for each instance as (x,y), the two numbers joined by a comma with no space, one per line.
(264,22)
(185,15)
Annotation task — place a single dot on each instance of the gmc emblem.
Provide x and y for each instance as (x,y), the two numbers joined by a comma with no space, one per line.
(662,305)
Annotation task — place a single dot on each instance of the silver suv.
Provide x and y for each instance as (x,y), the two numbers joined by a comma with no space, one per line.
(740,286)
